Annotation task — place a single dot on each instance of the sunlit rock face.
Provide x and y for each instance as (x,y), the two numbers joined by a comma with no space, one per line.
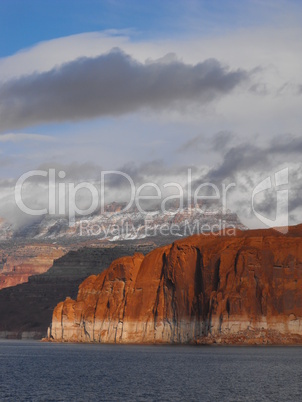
(203,289)
(19,262)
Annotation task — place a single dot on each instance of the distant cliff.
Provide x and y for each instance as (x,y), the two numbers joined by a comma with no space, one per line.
(26,309)
(202,289)
(20,261)
(114,224)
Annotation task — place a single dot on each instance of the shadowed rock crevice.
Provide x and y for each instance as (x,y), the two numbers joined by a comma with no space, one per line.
(198,288)
(192,292)
(216,280)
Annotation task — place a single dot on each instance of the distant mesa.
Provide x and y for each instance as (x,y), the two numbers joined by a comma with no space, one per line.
(116,224)
(20,261)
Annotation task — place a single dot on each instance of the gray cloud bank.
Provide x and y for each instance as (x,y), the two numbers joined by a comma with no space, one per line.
(111,85)
(246,165)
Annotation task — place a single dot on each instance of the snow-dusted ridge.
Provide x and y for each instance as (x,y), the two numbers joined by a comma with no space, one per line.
(116,225)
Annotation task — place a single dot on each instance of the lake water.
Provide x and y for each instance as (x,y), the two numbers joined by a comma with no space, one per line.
(33,371)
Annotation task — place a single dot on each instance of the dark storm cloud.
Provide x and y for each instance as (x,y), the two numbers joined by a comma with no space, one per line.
(238,159)
(247,164)
(111,85)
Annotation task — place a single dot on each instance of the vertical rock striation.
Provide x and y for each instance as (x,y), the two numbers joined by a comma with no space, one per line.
(202,289)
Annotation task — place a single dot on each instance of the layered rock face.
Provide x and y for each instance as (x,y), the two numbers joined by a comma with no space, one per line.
(203,289)
(19,262)
(26,309)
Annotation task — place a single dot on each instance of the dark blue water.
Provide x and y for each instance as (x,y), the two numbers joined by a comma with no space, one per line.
(33,371)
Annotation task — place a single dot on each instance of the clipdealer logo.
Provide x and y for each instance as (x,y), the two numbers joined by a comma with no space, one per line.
(62,195)
(280,185)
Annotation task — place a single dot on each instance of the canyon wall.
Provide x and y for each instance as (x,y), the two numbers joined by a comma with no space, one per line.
(203,289)
(26,309)
(19,262)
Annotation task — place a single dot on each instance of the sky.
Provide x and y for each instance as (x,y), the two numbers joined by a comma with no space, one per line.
(153,88)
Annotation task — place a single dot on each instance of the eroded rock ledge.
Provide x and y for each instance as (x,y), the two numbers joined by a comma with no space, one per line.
(202,289)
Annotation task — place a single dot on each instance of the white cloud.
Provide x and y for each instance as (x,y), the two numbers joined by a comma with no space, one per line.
(271,106)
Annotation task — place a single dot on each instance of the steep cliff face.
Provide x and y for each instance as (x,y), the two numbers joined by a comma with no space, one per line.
(204,289)
(26,309)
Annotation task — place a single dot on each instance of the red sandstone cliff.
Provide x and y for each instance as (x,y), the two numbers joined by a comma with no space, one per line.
(18,263)
(204,289)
